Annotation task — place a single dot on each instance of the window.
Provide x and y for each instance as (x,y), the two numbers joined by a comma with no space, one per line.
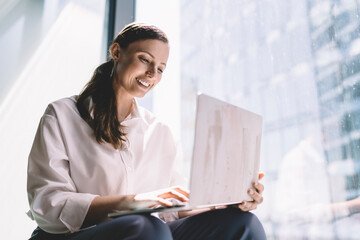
(49,49)
(297,64)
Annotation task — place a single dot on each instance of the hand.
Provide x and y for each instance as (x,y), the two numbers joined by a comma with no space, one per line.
(161,197)
(354,205)
(101,206)
(255,194)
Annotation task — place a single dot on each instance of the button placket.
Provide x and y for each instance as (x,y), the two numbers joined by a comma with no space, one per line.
(131,169)
(129,166)
(122,157)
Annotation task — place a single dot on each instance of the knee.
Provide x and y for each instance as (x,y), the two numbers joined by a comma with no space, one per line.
(246,223)
(229,223)
(149,227)
(236,224)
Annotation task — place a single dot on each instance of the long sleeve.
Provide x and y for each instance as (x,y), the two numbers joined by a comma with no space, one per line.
(54,201)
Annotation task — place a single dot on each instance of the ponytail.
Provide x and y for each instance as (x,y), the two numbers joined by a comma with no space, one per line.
(104,121)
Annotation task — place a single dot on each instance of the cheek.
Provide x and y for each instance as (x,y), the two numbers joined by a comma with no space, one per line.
(155,83)
(131,66)
(136,64)
(158,80)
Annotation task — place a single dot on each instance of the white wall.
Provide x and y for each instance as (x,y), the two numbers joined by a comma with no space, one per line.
(61,62)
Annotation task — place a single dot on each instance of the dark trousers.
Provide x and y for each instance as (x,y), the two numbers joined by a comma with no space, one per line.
(221,224)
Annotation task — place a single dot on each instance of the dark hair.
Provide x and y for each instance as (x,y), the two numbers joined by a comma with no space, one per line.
(104,121)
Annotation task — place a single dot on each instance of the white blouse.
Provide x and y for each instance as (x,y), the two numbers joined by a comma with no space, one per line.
(68,168)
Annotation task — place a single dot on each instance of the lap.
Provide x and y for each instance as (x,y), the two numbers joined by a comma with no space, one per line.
(125,227)
(229,223)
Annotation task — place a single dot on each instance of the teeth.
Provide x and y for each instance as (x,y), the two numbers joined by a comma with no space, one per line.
(143,83)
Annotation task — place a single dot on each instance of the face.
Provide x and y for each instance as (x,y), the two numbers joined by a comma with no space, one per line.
(139,67)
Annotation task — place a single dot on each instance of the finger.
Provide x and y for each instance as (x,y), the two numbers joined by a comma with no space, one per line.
(258,198)
(173,194)
(164,202)
(143,204)
(251,206)
(182,190)
(261,175)
(220,207)
(258,187)
(247,206)
(182,195)
(243,206)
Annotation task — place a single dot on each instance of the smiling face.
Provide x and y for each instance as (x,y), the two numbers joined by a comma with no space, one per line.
(139,67)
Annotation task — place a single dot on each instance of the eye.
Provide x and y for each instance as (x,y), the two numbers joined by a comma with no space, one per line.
(160,70)
(144,60)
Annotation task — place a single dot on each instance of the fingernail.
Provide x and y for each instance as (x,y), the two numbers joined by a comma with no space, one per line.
(251,191)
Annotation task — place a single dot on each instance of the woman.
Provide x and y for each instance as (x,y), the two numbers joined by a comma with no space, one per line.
(99,152)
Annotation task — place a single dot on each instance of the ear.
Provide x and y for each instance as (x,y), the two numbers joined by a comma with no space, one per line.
(115,51)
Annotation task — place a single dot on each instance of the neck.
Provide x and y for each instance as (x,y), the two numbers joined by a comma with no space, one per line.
(124,105)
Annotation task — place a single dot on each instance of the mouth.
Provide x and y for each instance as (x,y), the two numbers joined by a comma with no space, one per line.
(143,83)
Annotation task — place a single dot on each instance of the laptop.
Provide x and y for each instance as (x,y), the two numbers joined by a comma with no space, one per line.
(226,156)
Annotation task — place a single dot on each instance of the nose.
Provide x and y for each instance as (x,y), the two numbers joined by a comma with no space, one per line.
(150,71)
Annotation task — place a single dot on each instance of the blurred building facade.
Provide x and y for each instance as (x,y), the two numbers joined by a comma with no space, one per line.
(297,63)
(335,31)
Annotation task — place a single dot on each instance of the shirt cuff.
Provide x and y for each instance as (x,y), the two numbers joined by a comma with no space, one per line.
(75,210)
(169,216)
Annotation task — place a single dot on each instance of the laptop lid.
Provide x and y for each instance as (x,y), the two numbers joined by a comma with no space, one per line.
(226,153)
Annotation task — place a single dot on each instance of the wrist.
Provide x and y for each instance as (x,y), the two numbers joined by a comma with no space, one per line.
(125,202)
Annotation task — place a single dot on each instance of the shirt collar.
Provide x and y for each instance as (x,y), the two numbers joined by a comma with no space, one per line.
(137,112)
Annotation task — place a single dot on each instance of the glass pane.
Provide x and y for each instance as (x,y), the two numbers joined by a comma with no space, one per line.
(49,49)
(297,63)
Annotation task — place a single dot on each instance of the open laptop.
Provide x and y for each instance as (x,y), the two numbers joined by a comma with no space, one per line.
(226,156)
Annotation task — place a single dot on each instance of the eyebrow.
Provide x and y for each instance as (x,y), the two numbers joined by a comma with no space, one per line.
(150,55)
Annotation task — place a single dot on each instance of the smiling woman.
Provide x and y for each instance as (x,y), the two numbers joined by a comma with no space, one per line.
(100,152)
